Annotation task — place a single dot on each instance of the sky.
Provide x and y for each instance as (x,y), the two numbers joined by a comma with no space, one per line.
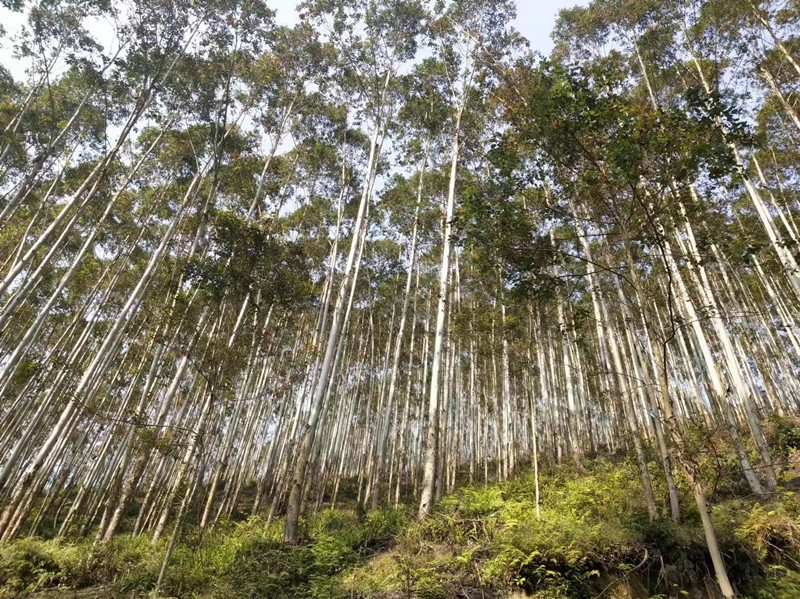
(535,20)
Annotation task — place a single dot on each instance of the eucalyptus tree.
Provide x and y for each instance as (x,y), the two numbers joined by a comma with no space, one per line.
(624,164)
(641,30)
(406,205)
(649,31)
(81,188)
(373,42)
(176,38)
(472,38)
(37,121)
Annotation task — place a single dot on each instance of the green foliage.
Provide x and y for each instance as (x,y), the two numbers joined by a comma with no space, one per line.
(593,533)
(782,584)
(30,564)
(233,560)
(337,540)
(249,258)
(26,370)
(490,538)
(588,524)
(786,433)
(769,531)
(711,450)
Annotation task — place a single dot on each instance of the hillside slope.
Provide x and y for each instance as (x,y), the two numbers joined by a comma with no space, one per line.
(591,539)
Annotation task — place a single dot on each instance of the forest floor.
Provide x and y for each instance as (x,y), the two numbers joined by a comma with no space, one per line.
(592,540)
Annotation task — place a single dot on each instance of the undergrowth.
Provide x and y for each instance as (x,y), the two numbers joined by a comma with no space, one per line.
(592,539)
(232,561)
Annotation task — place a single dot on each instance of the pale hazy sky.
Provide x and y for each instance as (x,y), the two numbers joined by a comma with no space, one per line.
(535,20)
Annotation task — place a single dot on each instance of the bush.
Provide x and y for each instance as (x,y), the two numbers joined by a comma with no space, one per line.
(31,564)
(784,433)
(337,540)
(781,584)
(769,532)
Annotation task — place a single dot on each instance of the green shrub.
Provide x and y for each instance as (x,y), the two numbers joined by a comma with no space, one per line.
(781,584)
(785,433)
(769,531)
(593,532)
(31,564)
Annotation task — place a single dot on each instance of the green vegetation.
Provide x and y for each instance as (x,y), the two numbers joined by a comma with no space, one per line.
(593,536)
(244,559)
(593,539)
